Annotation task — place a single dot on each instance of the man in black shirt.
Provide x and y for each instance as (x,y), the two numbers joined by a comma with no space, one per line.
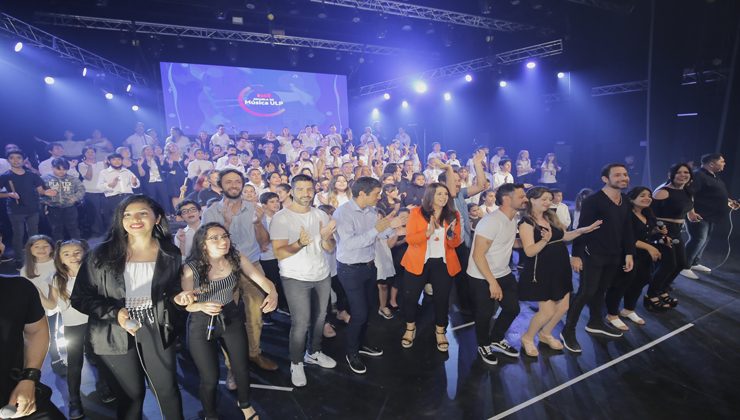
(711,205)
(24,338)
(600,255)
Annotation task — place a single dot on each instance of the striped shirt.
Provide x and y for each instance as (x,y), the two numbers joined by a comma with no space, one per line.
(220,290)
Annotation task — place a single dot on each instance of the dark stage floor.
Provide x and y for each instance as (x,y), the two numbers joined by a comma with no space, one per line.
(681,364)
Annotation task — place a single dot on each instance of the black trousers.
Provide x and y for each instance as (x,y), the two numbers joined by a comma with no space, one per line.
(94,214)
(272,272)
(629,285)
(129,375)
(230,333)
(598,274)
(462,285)
(75,335)
(434,272)
(63,219)
(485,307)
(672,261)
(359,282)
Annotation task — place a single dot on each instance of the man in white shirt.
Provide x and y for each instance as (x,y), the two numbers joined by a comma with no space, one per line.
(437,152)
(498,154)
(220,137)
(199,165)
(503,176)
(490,276)
(403,138)
(561,209)
(432,172)
(224,160)
(90,169)
(56,150)
(189,212)
(138,140)
(300,234)
(368,137)
(256,180)
(117,183)
(334,138)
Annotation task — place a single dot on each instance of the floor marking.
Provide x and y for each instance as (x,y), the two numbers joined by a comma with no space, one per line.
(577,379)
(462,326)
(270,387)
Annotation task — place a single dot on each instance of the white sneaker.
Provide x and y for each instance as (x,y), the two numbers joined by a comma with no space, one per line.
(320,359)
(689,274)
(297,375)
(701,268)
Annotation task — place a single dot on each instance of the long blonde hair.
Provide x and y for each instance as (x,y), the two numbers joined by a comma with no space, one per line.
(30,260)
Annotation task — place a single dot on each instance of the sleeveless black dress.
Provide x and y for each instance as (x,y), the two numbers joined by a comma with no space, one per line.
(553,277)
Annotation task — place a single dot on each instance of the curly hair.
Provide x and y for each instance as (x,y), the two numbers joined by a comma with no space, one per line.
(198,258)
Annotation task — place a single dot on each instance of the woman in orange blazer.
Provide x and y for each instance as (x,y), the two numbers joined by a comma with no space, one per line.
(432,233)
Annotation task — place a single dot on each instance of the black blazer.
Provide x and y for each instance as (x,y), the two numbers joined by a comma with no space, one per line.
(145,178)
(100,294)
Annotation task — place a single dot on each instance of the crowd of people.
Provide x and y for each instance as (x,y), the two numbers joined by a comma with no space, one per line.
(319,224)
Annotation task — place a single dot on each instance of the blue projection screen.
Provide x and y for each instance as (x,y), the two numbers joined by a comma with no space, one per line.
(199,97)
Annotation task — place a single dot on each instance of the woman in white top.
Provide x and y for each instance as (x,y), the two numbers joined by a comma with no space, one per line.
(339,191)
(285,139)
(90,169)
(549,171)
(524,169)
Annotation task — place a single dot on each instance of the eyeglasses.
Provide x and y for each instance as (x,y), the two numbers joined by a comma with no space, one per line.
(216,238)
(189,210)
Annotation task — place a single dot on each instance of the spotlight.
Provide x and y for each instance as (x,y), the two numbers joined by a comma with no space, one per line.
(84,71)
(108,96)
(128,88)
(386,96)
(531,65)
(18,47)
(468,78)
(376,112)
(405,104)
(561,75)
(420,86)
(502,83)
(448,96)
(270,17)
(49,80)
(135,107)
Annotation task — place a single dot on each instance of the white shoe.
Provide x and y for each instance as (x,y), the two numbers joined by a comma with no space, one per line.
(689,274)
(701,268)
(297,375)
(320,359)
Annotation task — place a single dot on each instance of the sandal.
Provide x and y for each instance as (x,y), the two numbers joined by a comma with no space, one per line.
(670,301)
(385,313)
(253,416)
(618,324)
(654,304)
(632,316)
(550,341)
(444,345)
(406,342)
(529,348)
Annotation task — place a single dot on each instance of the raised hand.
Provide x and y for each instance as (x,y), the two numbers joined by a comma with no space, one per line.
(327,232)
(592,227)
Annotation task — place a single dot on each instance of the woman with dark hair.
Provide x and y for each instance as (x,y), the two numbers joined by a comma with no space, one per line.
(339,191)
(215,272)
(415,191)
(128,287)
(432,234)
(546,276)
(389,201)
(152,177)
(629,285)
(672,202)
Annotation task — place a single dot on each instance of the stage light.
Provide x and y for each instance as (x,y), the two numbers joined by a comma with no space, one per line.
(128,87)
(561,75)
(448,96)
(386,96)
(84,71)
(135,107)
(531,65)
(49,80)
(502,83)
(108,96)
(18,47)
(420,86)
(468,78)
(405,104)
(376,112)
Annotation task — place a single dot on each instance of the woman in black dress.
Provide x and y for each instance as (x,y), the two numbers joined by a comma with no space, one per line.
(546,277)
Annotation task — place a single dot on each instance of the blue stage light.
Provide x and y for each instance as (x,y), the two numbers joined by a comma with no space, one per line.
(49,80)
(18,47)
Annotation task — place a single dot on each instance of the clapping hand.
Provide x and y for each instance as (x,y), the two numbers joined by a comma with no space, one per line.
(304,238)
(327,232)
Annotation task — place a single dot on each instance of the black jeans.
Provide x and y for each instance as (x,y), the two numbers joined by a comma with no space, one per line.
(462,285)
(94,213)
(359,284)
(22,224)
(74,336)
(230,333)
(485,308)
(699,234)
(598,274)
(161,369)
(434,272)
(629,285)
(272,272)
(672,261)
(61,219)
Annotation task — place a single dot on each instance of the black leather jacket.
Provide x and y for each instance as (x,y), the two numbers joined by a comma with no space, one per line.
(100,294)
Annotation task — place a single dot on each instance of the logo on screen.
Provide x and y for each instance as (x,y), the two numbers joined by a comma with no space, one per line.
(261,102)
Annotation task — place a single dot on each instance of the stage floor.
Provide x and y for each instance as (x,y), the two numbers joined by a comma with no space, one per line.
(681,364)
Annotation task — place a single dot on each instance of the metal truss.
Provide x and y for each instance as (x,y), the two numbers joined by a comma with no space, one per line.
(689,78)
(609,6)
(429,13)
(209,33)
(471,66)
(66,50)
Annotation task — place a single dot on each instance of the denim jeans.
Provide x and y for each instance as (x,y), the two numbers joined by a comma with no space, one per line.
(359,283)
(61,219)
(307,301)
(22,223)
(699,233)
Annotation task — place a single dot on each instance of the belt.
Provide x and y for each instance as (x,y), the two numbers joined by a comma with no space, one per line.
(362,264)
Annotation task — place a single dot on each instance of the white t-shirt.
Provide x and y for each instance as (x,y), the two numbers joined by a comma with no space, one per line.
(222,140)
(135,142)
(436,244)
(70,316)
(308,264)
(91,186)
(563,213)
(189,235)
(498,228)
(500,178)
(45,273)
(45,168)
(197,167)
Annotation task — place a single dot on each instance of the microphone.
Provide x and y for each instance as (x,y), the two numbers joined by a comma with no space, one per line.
(132,324)
(8,411)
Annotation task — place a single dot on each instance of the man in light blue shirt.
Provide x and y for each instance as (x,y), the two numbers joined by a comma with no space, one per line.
(358,227)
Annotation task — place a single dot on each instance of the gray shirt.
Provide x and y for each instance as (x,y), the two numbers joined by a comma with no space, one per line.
(462,208)
(355,233)
(242,227)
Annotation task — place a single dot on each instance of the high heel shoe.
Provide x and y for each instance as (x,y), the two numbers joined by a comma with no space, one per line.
(408,342)
(442,345)
(655,304)
(529,348)
(550,341)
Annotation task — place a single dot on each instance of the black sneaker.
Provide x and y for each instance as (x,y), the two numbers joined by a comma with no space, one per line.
(75,410)
(356,364)
(371,351)
(570,342)
(504,348)
(106,396)
(604,329)
(487,355)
